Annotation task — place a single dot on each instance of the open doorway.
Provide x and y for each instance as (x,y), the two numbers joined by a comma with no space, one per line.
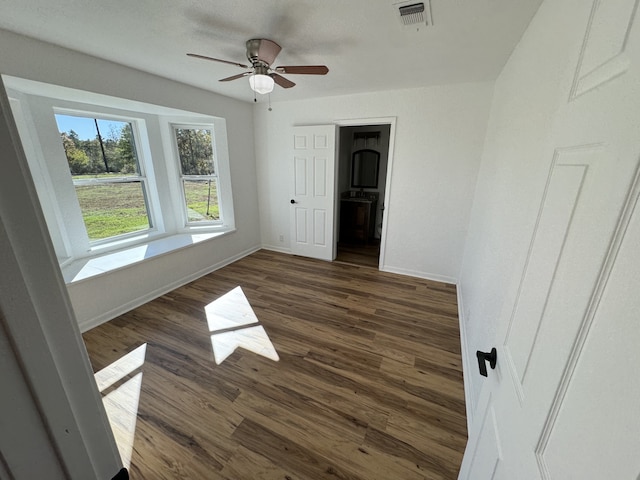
(363,154)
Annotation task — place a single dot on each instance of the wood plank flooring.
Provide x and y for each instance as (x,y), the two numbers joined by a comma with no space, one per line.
(368,384)
(366,255)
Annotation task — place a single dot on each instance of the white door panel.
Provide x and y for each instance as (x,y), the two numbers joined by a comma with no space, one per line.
(597,412)
(565,404)
(484,460)
(312,207)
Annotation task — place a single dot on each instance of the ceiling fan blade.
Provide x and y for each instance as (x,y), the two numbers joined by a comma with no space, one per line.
(195,55)
(283,82)
(235,77)
(304,69)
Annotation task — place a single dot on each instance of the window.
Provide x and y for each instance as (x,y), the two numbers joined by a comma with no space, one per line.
(121,180)
(107,176)
(198,174)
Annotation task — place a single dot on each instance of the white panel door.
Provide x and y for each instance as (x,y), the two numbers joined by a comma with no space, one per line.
(313,189)
(564,401)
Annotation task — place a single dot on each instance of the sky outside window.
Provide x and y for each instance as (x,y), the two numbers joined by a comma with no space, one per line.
(86,127)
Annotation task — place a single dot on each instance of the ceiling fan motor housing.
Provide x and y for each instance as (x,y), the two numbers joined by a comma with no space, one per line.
(261,51)
(260,69)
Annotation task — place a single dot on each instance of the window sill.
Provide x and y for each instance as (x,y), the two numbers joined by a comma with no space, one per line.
(86,268)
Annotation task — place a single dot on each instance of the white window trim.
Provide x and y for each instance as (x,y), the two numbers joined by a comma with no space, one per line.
(146,174)
(221,165)
(182,177)
(34,105)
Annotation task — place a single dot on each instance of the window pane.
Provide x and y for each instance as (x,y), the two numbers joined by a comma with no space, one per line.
(97,146)
(99,151)
(201,198)
(113,209)
(195,150)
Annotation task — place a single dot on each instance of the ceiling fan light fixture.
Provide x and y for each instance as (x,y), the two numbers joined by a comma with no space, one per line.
(261,84)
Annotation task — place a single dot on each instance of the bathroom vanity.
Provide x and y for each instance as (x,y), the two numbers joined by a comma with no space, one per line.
(357,217)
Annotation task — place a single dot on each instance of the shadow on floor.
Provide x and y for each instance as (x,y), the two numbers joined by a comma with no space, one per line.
(362,255)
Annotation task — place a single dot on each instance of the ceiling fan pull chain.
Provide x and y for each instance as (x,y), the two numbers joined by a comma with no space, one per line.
(270,102)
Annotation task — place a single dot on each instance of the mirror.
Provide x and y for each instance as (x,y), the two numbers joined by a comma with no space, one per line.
(364,169)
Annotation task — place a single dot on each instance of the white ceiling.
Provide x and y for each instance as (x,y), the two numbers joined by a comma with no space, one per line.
(363,42)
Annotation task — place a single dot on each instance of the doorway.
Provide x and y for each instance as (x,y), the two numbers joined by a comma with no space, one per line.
(363,157)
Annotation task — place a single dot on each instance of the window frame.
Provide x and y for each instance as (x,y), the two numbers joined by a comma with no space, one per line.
(182,177)
(222,164)
(143,162)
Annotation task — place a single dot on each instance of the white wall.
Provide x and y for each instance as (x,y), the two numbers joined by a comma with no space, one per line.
(27,58)
(439,137)
(514,169)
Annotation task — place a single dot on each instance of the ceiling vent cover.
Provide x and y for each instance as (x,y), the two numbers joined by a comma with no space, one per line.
(412,14)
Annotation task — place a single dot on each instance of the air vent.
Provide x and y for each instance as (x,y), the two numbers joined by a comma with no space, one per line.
(414,14)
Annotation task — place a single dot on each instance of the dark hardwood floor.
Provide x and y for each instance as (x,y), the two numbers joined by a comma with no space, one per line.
(368,384)
(365,255)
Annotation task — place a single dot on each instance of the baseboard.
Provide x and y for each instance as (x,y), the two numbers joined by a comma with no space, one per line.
(277,249)
(413,273)
(121,309)
(467,365)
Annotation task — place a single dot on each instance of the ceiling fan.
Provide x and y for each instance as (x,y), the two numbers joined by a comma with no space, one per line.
(262,52)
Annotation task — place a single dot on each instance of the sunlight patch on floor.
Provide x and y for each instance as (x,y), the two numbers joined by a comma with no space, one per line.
(121,368)
(254,339)
(235,325)
(230,310)
(121,404)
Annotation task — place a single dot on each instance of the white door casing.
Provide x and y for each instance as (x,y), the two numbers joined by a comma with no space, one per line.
(61,429)
(563,402)
(312,195)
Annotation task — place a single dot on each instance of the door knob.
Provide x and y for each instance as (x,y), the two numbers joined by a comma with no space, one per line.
(293,201)
(492,357)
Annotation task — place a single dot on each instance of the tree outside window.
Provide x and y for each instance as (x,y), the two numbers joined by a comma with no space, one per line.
(198,174)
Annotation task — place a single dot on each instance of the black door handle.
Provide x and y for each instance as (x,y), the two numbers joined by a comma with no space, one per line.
(492,356)
(293,201)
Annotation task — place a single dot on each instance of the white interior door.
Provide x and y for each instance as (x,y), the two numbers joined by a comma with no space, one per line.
(313,189)
(564,401)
